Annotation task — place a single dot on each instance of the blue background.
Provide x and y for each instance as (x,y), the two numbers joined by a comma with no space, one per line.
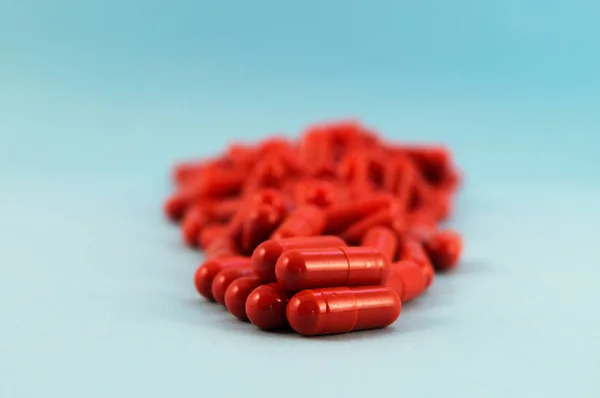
(99,98)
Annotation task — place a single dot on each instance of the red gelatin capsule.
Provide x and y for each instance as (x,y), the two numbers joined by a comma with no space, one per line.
(301,269)
(210,233)
(315,192)
(304,221)
(258,226)
(193,222)
(382,239)
(444,249)
(342,309)
(265,306)
(341,217)
(206,272)
(384,218)
(266,254)
(407,279)
(221,246)
(224,278)
(237,293)
(412,249)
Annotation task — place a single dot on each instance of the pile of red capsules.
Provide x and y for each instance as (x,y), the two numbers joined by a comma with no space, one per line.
(327,234)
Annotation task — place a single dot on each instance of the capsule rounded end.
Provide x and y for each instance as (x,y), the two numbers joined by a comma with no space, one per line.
(305,313)
(290,269)
(203,278)
(264,258)
(266,307)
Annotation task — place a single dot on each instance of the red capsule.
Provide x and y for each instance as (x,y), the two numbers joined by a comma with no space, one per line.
(237,294)
(384,218)
(206,272)
(182,172)
(327,267)
(304,221)
(342,309)
(433,161)
(221,246)
(315,151)
(258,226)
(341,217)
(407,279)
(266,254)
(412,249)
(224,278)
(210,233)
(382,239)
(193,222)
(444,249)
(315,192)
(265,306)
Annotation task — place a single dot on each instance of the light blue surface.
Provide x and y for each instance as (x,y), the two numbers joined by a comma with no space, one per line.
(97,99)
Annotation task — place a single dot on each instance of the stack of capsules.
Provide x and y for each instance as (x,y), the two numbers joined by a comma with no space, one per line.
(327,234)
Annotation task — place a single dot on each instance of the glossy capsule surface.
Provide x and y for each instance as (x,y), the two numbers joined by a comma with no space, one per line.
(266,305)
(203,278)
(342,309)
(224,278)
(301,269)
(303,221)
(266,254)
(237,293)
(383,239)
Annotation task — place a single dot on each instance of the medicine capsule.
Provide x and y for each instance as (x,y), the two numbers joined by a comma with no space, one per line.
(382,239)
(444,249)
(221,246)
(301,269)
(193,222)
(211,232)
(224,278)
(237,293)
(342,309)
(341,217)
(206,272)
(383,218)
(258,226)
(412,249)
(407,280)
(266,305)
(266,254)
(303,221)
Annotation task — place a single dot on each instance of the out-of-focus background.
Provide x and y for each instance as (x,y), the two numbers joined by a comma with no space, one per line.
(99,98)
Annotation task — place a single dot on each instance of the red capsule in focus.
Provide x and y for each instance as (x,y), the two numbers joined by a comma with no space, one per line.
(266,305)
(342,309)
(444,249)
(266,254)
(224,278)
(301,269)
(205,274)
(382,239)
(303,221)
(237,293)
